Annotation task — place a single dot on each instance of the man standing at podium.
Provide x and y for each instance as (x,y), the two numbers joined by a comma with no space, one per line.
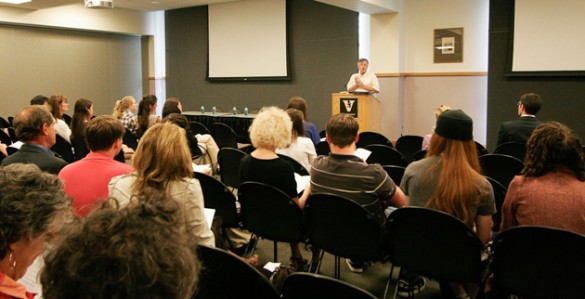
(363,81)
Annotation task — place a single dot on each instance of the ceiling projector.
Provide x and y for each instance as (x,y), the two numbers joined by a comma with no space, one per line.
(99,4)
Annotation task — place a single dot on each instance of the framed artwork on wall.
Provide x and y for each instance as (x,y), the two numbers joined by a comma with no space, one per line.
(448,45)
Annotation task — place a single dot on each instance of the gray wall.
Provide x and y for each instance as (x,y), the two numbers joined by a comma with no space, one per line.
(98,66)
(323,49)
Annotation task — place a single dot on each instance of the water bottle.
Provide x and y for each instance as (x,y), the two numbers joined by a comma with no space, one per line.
(234,110)
(213,110)
(245,110)
(202,109)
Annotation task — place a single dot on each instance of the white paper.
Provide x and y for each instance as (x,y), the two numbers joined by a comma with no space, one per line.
(203,168)
(362,153)
(209,213)
(270,266)
(302,182)
(16,145)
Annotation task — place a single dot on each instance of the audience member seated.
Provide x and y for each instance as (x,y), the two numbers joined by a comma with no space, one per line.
(311,131)
(301,148)
(146,117)
(172,105)
(124,112)
(140,251)
(344,174)
(449,180)
(39,100)
(163,162)
(59,105)
(82,114)
(427,138)
(86,180)
(551,188)
(34,125)
(33,209)
(519,130)
(271,129)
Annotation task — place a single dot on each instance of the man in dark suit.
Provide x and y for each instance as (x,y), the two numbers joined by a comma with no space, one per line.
(519,130)
(35,126)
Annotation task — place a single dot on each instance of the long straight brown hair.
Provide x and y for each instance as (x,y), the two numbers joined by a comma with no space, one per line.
(456,192)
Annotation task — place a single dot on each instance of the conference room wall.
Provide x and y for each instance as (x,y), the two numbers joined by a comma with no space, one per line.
(101,67)
(563,96)
(323,49)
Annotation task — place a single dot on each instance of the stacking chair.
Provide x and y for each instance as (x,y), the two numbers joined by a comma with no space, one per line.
(229,166)
(481,150)
(314,286)
(368,138)
(408,145)
(539,262)
(322,148)
(224,275)
(12,134)
(499,195)
(323,134)
(269,213)
(344,228)
(434,244)
(5,138)
(224,135)
(501,168)
(4,123)
(67,119)
(297,167)
(198,128)
(64,149)
(129,139)
(81,149)
(395,172)
(419,155)
(514,149)
(385,155)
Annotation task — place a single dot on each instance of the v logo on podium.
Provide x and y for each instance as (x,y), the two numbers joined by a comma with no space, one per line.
(349,105)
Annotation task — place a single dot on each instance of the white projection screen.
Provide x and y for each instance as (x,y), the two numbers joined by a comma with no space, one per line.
(548,36)
(248,41)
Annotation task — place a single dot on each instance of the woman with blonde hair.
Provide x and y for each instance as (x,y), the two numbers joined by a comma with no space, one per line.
(59,106)
(449,179)
(123,111)
(301,148)
(163,162)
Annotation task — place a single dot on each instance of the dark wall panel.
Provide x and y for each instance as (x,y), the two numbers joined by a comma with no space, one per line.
(323,48)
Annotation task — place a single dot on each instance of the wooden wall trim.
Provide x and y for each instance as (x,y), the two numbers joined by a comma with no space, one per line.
(434,74)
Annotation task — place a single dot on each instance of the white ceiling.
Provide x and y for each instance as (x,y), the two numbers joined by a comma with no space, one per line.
(144,5)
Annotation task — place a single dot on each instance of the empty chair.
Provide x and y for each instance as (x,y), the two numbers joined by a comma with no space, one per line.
(419,155)
(64,149)
(322,148)
(229,166)
(268,212)
(481,150)
(130,140)
(501,168)
(368,138)
(297,167)
(539,262)
(514,149)
(385,155)
(499,195)
(198,128)
(395,172)
(314,286)
(224,135)
(344,228)
(224,275)
(408,145)
(434,244)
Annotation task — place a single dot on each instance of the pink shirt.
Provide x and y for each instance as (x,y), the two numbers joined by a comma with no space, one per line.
(86,180)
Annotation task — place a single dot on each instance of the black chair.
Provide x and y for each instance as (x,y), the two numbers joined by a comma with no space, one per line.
(514,149)
(199,128)
(408,145)
(11,121)
(64,149)
(5,138)
(481,150)
(323,134)
(67,119)
(224,275)
(12,134)
(368,138)
(419,155)
(539,262)
(499,195)
(344,228)
(395,172)
(501,168)
(129,139)
(224,136)
(229,165)
(434,244)
(385,155)
(269,213)
(322,148)
(297,167)
(4,123)
(314,286)
(81,149)
(248,149)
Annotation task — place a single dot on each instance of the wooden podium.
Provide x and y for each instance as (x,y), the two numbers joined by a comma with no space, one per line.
(365,107)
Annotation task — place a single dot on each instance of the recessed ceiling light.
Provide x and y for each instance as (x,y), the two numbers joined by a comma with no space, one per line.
(15,1)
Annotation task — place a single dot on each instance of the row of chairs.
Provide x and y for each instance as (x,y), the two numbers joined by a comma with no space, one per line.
(224,135)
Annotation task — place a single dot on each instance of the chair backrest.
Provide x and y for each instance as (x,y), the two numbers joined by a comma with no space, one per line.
(514,149)
(224,275)
(368,138)
(81,149)
(501,168)
(322,133)
(12,134)
(67,119)
(539,262)
(395,172)
(344,228)
(385,155)
(499,195)
(481,150)
(217,196)
(297,167)
(419,155)
(63,148)
(408,145)
(4,123)
(229,165)
(129,139)
(198,128)
(314,286)
(224,135)
(322,148)
(270,213)
(434,244)
(5,138)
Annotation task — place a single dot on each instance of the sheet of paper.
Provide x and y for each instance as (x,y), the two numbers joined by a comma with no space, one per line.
(209,213)
(302,182)
(271,266)
(203,168)
(362,153)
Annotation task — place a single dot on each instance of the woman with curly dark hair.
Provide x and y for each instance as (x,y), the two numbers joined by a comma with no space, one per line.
(550,191)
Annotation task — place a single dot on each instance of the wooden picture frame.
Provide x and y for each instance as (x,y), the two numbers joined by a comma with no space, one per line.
(448,45)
